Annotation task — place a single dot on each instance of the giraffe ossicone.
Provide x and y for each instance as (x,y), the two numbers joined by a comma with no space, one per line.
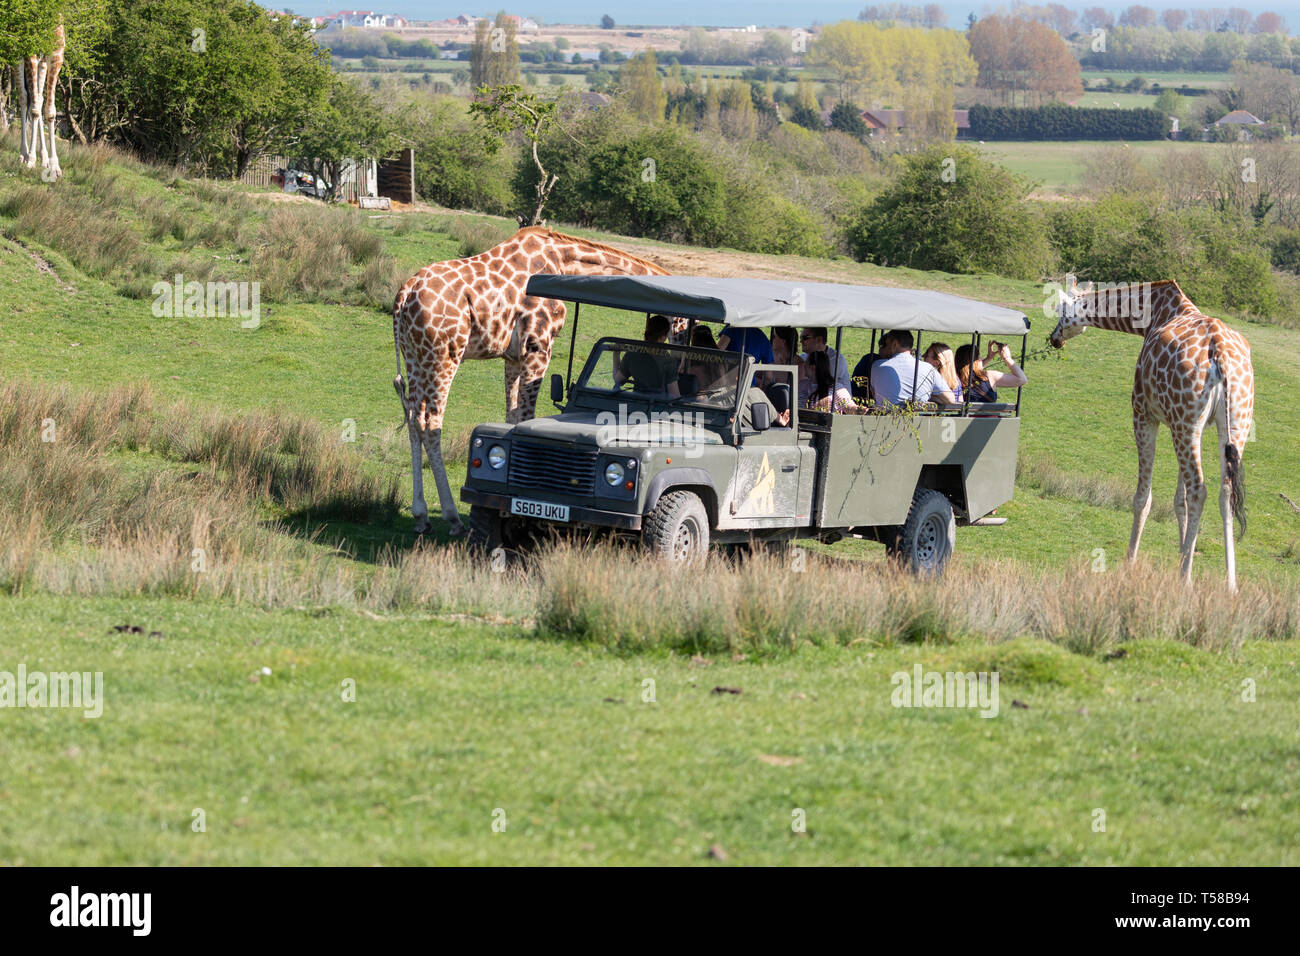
(475,308)
(1192,369)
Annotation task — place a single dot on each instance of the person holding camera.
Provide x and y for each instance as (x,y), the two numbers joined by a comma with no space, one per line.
(980,383)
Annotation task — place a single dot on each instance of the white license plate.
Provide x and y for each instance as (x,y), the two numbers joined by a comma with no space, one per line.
(539,509)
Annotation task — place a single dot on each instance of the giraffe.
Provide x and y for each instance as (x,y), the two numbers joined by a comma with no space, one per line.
(54,65)
(34,79)
(1191,368)
(475,308)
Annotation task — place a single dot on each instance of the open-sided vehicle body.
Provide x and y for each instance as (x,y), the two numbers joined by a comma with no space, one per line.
(689,446)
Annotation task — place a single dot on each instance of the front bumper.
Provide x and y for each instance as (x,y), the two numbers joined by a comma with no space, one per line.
(577,514)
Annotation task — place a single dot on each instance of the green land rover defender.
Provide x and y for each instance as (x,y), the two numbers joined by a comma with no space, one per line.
(687,447)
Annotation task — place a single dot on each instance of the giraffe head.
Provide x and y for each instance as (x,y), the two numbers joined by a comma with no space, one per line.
(1072,312)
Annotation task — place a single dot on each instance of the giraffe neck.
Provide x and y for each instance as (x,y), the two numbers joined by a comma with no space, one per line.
(1135,307)
(576,256)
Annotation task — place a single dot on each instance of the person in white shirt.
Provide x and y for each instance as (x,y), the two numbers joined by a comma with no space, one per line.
(897,368)
(814,340)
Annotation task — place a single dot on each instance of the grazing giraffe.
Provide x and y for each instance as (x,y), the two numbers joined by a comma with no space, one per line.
(475,308)
(1192,367)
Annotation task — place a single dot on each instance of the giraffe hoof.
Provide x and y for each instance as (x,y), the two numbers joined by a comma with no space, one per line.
(457,531)
(422,526)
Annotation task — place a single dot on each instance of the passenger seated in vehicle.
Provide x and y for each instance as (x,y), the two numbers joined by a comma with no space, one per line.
(817,386)
(983,384)
(814,340)
(704,373)
(939,357)
(754,397)
(897,368)
(860,383)
(649,373)
(747,342)
(785,349)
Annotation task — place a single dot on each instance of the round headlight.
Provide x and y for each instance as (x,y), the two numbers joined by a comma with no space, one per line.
(497,457)
(613,473)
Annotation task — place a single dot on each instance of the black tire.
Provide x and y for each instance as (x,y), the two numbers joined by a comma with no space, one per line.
(924,543)
(484,531)
(678,528)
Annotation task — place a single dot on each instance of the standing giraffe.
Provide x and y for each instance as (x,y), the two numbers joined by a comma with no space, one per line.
(34,78)
(475,308)
(1192,367)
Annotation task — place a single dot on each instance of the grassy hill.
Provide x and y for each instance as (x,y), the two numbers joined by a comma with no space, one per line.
(476,693)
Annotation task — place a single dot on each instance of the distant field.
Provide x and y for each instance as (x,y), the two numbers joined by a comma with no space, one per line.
(1059,166)
(1211,81)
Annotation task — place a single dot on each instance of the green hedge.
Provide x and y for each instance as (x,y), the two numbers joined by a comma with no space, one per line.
(1065,123)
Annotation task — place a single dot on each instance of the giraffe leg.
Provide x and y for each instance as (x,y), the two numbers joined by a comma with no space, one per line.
(1180,509)
(514,395)
(55,169)
(428,403)
(418,506)
(1144,433)
(1188,445)
(535,366)
(432,438)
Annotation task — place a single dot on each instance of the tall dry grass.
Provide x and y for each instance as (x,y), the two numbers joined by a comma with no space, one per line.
(136,498)
(764,604)
(107,493)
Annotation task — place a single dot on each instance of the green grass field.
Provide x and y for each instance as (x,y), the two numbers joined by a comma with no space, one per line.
(1060,166)
(458,716)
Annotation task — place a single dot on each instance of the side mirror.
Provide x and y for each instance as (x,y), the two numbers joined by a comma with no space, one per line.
(557,388)
(761,414)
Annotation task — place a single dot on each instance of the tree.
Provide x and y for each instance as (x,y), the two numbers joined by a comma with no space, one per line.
(645,92)
(1095,18)
(1268,22)
(951,209)
(351,126)
(1023,60)
(1239,19)
(870,62)
(1173,19)
(847,118)
(507,109)
(1138,16)
(494,53)
(607,22)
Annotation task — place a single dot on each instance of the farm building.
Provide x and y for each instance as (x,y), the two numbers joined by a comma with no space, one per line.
(896,120)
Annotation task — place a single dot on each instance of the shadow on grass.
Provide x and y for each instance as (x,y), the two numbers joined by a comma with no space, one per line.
(368,541)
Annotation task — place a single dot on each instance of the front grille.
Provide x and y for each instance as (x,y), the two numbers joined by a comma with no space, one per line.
(553,468)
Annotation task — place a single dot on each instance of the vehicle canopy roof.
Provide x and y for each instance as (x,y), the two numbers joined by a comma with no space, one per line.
(762,303)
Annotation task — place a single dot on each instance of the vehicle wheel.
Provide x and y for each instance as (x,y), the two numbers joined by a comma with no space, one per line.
(677,528)
(925,542)
(484,531)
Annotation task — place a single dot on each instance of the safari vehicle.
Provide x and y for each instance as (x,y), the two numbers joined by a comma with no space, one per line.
(691,447)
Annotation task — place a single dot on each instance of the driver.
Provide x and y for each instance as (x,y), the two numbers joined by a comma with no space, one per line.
(648,372)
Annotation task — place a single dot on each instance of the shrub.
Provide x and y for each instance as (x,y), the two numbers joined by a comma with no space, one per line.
(951,210)
(1218,260)
(1058,122)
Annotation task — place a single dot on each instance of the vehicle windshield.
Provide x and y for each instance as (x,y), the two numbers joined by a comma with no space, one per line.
(656,371)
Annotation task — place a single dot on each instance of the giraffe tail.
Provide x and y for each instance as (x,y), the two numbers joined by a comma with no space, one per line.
(1232,466)
(1233,473)
(399,383)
